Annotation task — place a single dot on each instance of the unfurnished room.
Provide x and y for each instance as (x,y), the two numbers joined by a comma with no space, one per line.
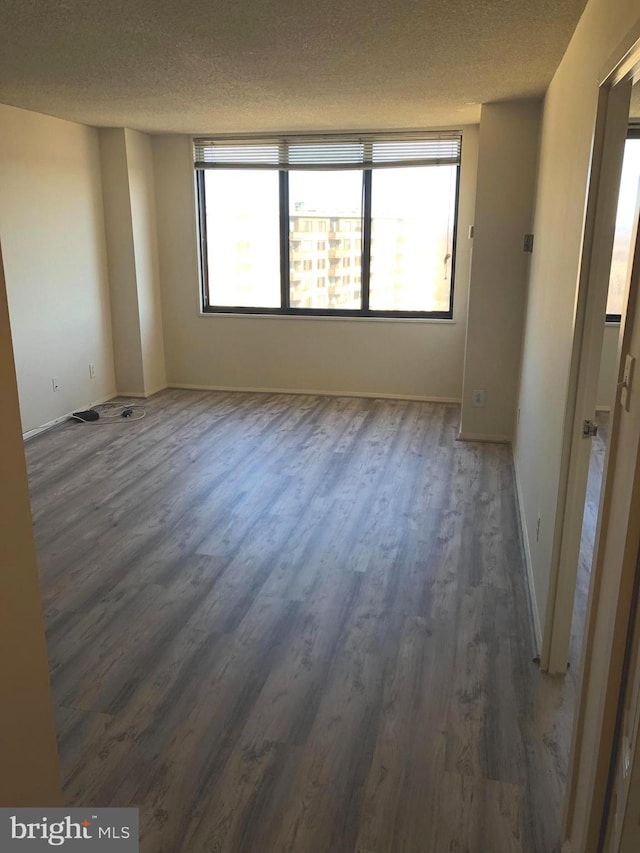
(319,455)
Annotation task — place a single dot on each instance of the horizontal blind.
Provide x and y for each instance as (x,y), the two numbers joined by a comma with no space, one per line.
(330,152)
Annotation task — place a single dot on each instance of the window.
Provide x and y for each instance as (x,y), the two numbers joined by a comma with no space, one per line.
(627,199)
(387,206)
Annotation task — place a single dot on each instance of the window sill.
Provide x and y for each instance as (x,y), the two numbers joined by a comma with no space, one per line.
(321,318)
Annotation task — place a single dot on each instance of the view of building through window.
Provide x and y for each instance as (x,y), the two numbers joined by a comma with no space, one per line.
(325,239)
(627,200)
(409,264)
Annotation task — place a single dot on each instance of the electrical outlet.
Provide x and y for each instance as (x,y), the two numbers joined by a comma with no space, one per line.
(477,399)
(55,384)
(92,370)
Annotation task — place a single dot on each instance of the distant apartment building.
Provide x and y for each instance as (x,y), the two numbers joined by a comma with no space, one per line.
(325,260)
(407,263)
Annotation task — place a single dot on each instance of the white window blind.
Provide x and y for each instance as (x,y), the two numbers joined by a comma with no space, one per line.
(331,152)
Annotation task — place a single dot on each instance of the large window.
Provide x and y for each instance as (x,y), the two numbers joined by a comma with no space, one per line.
(341,226)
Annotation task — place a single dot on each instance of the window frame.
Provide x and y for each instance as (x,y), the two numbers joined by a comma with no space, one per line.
(286,309)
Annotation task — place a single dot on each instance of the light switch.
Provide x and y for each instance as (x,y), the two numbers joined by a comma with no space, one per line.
(627,379)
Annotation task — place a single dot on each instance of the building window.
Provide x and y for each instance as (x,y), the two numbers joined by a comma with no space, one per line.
(396,198)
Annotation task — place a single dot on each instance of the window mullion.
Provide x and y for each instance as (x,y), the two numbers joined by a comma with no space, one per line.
(285,296)
(366,239)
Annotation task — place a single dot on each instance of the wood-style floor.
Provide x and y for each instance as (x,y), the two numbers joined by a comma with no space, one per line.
(282,623)
(599,445)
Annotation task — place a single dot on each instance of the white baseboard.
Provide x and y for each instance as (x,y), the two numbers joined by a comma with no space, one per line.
(477,436)
(128,394)
(144,394)
(533,601)
(37,430)
(316,393)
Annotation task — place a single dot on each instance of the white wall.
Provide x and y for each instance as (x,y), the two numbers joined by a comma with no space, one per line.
(567,131)
(507,162)
(51,221)
(339,356)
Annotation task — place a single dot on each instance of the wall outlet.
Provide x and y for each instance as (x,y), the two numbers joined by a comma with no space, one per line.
(92,370)
(55,384)
(477,399)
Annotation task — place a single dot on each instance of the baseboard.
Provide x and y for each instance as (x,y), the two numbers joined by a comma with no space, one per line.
(533,602)
(128,394)
(477,436)
(316,393)
(143,394)
(32,433)
(156,390)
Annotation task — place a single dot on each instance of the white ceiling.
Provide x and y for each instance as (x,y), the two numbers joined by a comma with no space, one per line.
(254,65)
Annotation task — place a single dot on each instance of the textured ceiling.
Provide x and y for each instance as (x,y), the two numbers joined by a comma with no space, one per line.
(253,65)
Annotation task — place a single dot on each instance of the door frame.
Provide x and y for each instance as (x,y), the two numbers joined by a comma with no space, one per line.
(607,631)
(610,132)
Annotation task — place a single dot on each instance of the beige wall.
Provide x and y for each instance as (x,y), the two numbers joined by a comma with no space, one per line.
(129,204)
(608,368)
(567,130)
(397,357)
(507,160)
(147,267)
(28,758)
(127,344)
(51,221)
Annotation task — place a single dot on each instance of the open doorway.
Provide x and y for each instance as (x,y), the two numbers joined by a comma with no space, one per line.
(608,370)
